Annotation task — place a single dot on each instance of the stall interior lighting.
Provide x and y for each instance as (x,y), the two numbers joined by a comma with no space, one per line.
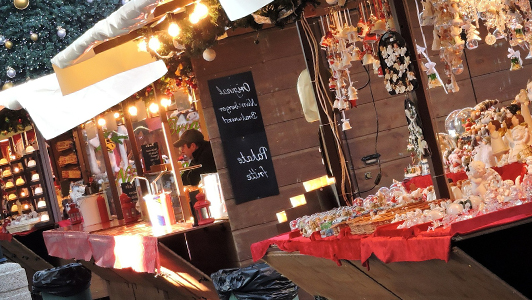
(317,183)
(142,45)
(45,218)
(154,108)
(101,121)
(174,30)
(116,115)
(4,140)
(165,102)
(154,43)
(281,216)
(132,110)
(298,200)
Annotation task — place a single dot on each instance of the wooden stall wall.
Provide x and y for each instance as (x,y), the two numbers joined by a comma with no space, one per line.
(275,62)
(486,75)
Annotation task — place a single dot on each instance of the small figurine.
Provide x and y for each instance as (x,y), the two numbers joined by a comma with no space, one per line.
(478,176)
(498,146)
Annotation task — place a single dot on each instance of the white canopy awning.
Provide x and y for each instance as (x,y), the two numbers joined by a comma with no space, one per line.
(54,114)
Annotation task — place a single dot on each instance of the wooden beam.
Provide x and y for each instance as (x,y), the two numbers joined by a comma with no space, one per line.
(435,161)
(110,172)
(132,138)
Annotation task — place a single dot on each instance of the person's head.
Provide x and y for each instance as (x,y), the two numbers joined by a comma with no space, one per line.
(189,141)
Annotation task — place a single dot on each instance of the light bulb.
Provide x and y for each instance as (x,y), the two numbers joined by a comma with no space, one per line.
(154,43)
(26,207)
(154,107)
(194,18)
(23,195)
(173,30)
(143,46)
(201,10)
(101,122)
(116,115)
(165,102)
(132,110)
(190,99)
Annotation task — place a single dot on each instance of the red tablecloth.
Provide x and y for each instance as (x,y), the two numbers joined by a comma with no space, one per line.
(510,171)
(388,243)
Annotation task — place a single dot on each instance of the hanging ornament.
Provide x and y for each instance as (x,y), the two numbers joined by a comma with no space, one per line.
(21,4)
(209,54)
(61,32)
(34,36)
(515,58)
(8,44)
(7,85)
(490,39)
(2,40)
(395,60)
(11,72)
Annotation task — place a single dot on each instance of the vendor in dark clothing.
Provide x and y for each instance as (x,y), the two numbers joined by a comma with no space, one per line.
(194,147)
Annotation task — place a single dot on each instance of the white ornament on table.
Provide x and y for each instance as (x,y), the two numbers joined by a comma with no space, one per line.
(478,176)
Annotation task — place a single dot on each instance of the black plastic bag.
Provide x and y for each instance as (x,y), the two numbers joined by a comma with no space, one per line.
(258,282)
(63,281)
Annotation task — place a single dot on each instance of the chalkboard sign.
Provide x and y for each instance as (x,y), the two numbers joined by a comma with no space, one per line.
(250,167)
(151,155)
(244,140)
(235,104)
(130,189)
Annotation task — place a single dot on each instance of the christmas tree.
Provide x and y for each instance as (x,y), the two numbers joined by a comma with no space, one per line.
(34,31)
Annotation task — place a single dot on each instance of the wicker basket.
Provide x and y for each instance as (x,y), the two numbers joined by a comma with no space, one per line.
(368,223)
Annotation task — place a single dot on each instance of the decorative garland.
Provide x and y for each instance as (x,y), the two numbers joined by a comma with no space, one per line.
(196,38)
(13,121)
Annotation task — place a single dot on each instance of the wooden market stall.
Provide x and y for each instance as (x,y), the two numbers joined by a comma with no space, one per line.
(271,63)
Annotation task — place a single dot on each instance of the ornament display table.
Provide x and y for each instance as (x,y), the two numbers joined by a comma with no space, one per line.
(396,259)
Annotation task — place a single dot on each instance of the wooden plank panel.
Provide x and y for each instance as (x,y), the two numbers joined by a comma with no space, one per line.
(436,279)
(362,119)
(249,214)
(323,277)
(503,85)
(291,136)
(391,146)
(442,104)
(273,44)
(120,291)
(249,235)
(269,77)
(280,106)
(148,292)
(390,171)
(489,59)
(298,166)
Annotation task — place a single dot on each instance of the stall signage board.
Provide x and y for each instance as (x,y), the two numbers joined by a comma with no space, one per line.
(130,190)
(151,156)
(244,139)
